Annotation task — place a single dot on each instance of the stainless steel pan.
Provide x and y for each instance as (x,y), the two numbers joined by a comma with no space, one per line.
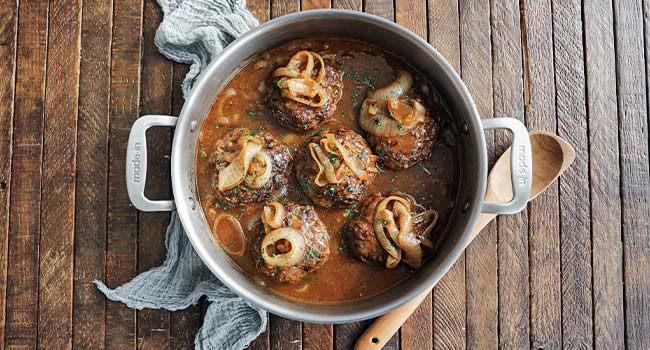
(373,30)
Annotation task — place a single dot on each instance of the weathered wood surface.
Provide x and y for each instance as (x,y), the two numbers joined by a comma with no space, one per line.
(572,272)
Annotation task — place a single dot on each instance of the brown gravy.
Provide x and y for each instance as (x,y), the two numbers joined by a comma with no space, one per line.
(434,183)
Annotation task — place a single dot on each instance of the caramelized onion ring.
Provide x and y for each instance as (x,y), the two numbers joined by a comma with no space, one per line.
(374,118)
(428,215)
(325,167)
(355,164)
(402,243)
(402,83)
(226,97)
(406,239)
(299,82)
(305,91)
(286,259)
(405,110)
(272,215)
(329,144)
(236,171)
(254,180)
(381,219)
(235,223)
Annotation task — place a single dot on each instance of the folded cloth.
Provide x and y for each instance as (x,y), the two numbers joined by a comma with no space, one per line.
(194,32)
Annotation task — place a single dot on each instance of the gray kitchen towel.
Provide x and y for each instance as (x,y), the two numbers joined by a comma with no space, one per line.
(194,32)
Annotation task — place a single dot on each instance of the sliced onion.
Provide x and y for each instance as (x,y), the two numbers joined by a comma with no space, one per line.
(428,215)
(406,239)
(261,64)
(379,123)
(402,84)
(305,91)
(298,81)
(380,216)
(255,180)
(406,111)
(273,215)
(399,224)
(375,119)
(325,167)
(235,172)
(229,92)
(427,243)
(290,258)
(331,144)
(237,225)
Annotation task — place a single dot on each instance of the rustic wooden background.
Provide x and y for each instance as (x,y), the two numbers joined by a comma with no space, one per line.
(571,272)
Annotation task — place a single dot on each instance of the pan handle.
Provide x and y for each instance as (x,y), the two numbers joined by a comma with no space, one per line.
(136,163)
(521,166)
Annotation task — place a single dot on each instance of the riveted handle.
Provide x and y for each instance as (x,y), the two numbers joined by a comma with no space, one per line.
(136,163)
(521,166)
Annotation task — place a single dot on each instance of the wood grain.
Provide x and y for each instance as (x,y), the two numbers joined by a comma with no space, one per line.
(543,213)
(632,100)
(347,334)
(512,235)
(58,182)
(607,256)
(89,328)
(577,325)
(122,228)
(355,5)
(381,8)
(481,254)
(317,336)
(449,295)
(261,9)
(155,98)
(25,202)
(412,14)
(284,7)
(8,31)
(314,4)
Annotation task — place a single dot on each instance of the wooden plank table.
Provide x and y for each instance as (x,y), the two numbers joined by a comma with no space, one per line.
(571,272)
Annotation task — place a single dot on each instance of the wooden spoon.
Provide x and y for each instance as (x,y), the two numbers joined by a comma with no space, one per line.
(551,157)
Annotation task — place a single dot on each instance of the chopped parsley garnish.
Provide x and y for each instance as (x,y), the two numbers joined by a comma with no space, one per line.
(257,130)
(317,132)
(378,121)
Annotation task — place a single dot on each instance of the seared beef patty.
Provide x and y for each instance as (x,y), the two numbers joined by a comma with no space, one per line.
(228,147)
(305,220)
(351,187)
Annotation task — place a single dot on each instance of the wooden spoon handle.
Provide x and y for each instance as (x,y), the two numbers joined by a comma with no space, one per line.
(383,328)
